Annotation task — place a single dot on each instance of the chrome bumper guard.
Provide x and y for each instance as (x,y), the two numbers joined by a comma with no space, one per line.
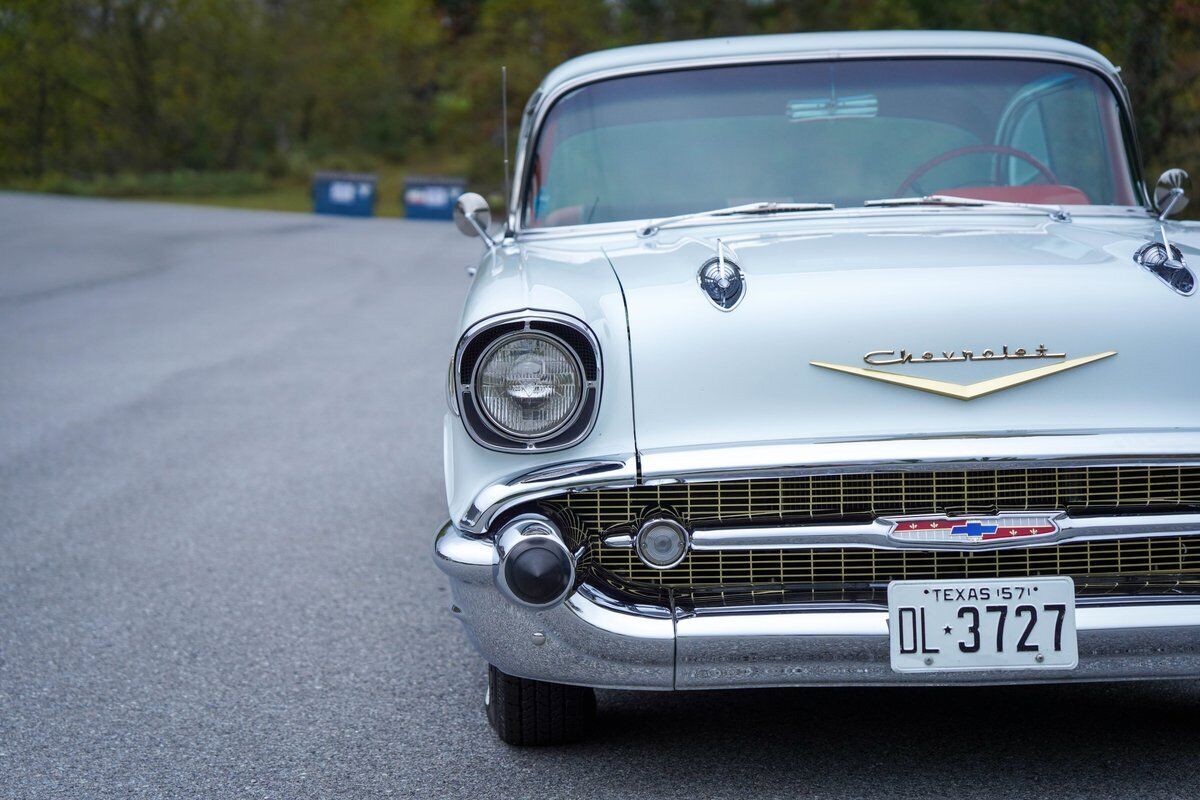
(592,639)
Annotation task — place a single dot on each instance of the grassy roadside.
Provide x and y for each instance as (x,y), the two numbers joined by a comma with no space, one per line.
(280,197)
(228,189)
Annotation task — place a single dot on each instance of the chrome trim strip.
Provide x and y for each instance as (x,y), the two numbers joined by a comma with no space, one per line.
(546,101)
(846,214)
(923,454)
(821,606)
(797,459)
(571,469)
(504,494)
(875,535)
(799,621)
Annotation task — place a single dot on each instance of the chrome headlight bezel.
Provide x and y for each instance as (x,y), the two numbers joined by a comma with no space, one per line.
(564,331)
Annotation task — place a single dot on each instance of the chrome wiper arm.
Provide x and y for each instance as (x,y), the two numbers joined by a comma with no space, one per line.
(767,207)
(1057,213)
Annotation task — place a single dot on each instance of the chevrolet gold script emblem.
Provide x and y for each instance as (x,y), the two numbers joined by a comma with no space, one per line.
(967,391)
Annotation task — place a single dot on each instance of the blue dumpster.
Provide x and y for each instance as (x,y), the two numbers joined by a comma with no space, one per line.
(344,193)
(431,198)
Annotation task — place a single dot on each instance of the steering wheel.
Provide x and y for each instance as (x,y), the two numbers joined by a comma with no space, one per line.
(911,181)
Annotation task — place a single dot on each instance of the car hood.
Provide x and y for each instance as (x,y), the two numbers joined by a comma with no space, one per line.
(835,291)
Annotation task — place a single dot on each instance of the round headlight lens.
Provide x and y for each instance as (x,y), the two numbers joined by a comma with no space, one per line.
(528,385)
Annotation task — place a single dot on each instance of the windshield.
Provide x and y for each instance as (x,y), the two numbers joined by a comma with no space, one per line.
(845,132)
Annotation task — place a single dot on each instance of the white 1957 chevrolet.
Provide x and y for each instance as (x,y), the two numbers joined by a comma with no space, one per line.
(825,359)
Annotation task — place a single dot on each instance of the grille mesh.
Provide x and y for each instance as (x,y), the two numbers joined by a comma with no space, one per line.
(591,515)
(865,496)
(1115,557)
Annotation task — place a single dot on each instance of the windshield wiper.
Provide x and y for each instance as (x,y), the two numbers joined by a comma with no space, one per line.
(1057,213)
(747,208)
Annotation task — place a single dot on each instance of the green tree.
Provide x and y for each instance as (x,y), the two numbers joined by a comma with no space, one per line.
(101,87)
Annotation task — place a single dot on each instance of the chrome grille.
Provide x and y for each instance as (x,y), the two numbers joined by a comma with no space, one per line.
(865,496)
(589,516)
(1168,555)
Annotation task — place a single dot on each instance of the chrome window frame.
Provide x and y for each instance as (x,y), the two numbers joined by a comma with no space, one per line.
(542,102)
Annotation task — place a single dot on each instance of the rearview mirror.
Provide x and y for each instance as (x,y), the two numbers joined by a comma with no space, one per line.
(1171,192)
(472,216)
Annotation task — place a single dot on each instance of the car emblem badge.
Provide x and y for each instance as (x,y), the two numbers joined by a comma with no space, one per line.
(973,530)
(962,391)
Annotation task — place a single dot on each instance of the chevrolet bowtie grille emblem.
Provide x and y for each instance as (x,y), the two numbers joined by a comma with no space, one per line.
(991,530)
(968,391)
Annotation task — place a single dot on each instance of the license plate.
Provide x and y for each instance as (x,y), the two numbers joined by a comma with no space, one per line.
(953,626)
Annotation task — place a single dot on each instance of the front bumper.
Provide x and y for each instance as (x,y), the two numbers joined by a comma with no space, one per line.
(593,639)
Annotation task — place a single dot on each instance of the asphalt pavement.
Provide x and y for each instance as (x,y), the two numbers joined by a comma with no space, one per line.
(220,475)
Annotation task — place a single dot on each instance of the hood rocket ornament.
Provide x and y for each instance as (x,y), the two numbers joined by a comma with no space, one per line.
(722,280)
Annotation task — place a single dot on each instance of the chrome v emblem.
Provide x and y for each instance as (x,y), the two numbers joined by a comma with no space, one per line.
(967,391)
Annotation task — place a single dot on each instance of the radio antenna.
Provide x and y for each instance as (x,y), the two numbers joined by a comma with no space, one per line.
(504,128)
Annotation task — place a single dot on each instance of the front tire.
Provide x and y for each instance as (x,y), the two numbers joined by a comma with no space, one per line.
(528,712)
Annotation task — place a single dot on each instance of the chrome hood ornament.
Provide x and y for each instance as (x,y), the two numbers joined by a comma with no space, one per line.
(722,280)
(1168,265)
(1163,259)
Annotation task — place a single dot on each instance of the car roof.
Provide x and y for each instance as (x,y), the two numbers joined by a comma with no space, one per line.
(832,45)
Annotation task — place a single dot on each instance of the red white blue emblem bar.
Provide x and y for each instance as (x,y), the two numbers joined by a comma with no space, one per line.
(973,529)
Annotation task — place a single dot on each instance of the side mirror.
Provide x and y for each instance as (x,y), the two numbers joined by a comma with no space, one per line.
(1171,192)
(472,216)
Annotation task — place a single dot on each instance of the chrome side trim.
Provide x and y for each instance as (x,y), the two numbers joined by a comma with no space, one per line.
(532,485)
(875,535)
(572,469)
(546,100)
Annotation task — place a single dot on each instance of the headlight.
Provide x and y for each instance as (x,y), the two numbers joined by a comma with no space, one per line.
(528,385)
(528,381)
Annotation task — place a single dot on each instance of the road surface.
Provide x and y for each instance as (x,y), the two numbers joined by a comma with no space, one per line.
(220,474)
